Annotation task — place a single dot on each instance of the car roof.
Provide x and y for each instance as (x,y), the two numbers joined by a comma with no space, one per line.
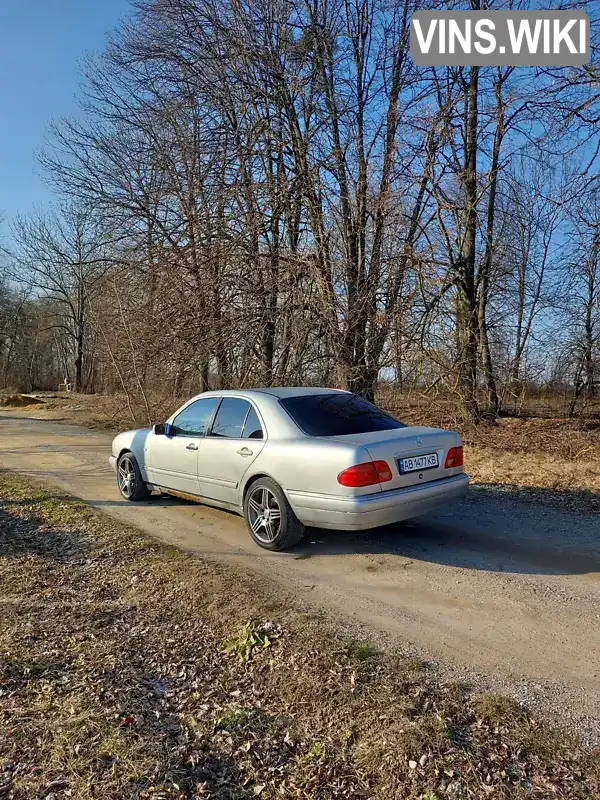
(295,391)
(276,391)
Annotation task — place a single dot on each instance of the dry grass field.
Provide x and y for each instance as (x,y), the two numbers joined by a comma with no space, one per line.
(132,670)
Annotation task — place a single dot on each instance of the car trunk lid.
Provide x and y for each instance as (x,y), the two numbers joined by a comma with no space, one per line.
(408,444)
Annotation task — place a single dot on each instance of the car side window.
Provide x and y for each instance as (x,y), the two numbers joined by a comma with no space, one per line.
(230,418)
(195,418)
(253,428)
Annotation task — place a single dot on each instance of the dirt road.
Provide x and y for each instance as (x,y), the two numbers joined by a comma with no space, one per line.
(503,592)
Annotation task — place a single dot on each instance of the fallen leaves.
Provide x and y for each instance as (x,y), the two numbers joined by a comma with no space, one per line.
(169,692)
(251,638)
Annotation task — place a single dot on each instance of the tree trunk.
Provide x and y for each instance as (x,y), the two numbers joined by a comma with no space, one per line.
(204,375)
(486,266)
(469,318)
(516,365)
(589,367)
(79,356)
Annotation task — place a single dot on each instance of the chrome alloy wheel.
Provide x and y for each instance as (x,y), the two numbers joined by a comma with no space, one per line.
(126,476)
(264,514)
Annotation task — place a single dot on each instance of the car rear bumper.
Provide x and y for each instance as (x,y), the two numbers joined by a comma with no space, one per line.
(112,460)
(373,510)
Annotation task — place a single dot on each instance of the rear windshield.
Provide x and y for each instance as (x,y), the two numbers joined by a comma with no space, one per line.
(337,414)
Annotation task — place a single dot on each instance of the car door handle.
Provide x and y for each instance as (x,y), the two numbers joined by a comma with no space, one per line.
(245,451)
(191,446)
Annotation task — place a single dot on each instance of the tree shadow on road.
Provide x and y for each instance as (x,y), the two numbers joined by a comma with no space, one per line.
(31,535)
(496,528)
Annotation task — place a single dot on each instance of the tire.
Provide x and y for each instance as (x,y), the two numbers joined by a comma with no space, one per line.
(280,528)
(132,488)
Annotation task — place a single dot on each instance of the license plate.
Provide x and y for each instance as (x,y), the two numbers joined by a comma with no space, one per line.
(427,461)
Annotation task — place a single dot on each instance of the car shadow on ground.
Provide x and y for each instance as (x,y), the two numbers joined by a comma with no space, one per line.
(448,546)
(496,528)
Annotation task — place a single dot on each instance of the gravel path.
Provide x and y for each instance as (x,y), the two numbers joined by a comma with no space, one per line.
(502,592)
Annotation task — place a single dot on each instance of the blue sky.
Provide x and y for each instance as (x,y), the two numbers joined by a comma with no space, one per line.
(41,42)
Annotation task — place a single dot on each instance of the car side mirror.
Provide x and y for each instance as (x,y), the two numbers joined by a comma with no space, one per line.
(162,429)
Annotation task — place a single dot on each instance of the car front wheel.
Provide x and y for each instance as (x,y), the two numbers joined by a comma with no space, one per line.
(270,518)
(129,479)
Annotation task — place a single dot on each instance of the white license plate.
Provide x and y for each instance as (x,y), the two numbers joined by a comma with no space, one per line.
(427,461)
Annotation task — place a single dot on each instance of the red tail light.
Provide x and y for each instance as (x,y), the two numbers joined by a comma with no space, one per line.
(366,474)
(454,457)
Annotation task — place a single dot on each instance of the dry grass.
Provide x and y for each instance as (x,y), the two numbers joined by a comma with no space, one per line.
(564,439)
(539,476)
(552,461)
(18,400)
(131,670)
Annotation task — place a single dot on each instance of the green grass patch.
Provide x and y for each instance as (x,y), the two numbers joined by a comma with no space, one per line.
(362,651)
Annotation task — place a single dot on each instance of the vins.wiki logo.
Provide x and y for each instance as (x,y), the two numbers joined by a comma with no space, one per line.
(500,38)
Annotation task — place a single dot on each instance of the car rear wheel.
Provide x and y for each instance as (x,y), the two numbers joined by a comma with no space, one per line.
(270,518)
(129,479)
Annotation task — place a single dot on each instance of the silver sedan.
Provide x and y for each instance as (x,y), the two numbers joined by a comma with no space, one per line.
(290,457)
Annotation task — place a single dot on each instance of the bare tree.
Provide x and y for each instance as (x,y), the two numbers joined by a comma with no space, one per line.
(282,196)
(63,256)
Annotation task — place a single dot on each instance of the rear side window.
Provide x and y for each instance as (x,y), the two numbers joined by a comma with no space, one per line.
(253,428)
(337,415)
(230,418)
(194,419)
